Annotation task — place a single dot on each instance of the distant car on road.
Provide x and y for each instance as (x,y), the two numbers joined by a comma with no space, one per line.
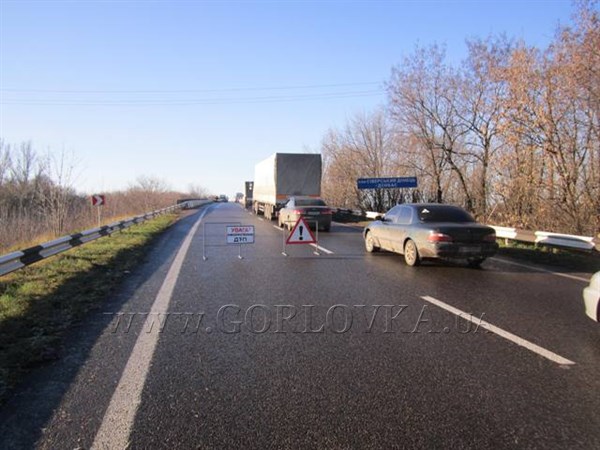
(313,210)
(591,298)
(420,231)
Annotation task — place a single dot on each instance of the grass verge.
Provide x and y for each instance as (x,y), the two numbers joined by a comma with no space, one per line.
(40,303)
(551,256)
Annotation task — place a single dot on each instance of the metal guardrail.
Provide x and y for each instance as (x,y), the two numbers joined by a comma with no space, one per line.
(548,238)
(17,260)
(358,212)
(568,241)
(353,212)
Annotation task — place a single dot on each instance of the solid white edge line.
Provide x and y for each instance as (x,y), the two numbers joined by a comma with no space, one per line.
(277,228)
(500,332)
(329,252)
(539,269)
(119,417)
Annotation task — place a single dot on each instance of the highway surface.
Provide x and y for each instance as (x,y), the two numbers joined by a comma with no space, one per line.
(333,351)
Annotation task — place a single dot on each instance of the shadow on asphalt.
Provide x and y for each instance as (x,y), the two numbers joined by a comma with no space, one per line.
(346,229)
(499,264)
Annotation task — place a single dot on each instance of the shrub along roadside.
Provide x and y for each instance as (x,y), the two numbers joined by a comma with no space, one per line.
(40,303)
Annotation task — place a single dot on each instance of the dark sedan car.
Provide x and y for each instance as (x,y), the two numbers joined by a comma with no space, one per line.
(314,210)
(420,231)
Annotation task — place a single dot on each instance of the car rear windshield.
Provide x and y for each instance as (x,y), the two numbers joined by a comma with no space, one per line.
(309,202)
(444,214)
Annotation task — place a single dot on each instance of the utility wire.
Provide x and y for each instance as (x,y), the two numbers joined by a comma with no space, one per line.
(197,101)
(182,91)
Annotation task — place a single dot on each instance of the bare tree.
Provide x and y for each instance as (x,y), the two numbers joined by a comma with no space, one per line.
(38,200)
(197,191)
(151,184)
(25,165)
(57,197)
(480,107)
(149,191)
(551,110)
(423,95)
(5,162)
(363,149)
(513,134)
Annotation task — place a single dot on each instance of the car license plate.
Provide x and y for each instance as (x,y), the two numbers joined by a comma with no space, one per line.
(470,249)
(314,213)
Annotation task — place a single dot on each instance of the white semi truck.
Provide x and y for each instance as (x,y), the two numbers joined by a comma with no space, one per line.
(282,175)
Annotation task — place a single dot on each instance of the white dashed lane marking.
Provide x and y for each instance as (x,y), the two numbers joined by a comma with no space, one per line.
(500,332)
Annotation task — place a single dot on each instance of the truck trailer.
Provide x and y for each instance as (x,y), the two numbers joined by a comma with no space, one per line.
(282,175)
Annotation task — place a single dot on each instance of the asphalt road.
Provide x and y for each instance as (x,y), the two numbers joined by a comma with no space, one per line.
(339,350)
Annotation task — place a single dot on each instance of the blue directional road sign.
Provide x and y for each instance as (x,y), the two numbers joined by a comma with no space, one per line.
(383,183)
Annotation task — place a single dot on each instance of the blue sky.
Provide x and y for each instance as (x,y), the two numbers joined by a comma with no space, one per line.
(198,92)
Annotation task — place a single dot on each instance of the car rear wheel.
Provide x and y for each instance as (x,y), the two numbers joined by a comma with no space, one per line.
(411,254)
(370,243)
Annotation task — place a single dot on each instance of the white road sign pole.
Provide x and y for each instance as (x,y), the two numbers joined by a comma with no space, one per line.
(284,239)
(98,201)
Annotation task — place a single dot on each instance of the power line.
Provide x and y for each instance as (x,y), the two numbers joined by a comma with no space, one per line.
(198,101)
(186,91)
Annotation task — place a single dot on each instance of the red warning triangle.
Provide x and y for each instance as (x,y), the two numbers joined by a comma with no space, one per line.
(301,234)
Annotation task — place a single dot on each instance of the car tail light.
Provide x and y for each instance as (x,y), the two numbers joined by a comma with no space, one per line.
(297,211)
(490,237)
(439,237)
